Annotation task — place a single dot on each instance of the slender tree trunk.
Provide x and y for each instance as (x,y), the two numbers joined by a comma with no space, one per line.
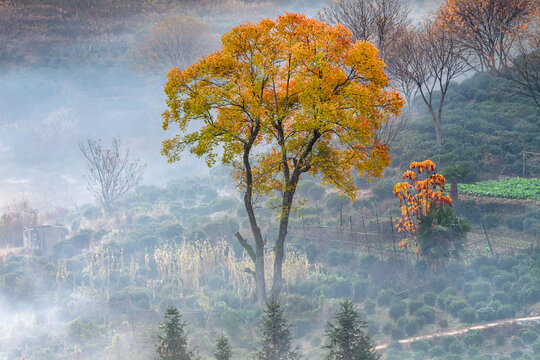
(436,125)
(257,255)
(279,250)
(260,283)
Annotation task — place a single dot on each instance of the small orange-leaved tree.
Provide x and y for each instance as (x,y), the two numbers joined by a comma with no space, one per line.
(426,214)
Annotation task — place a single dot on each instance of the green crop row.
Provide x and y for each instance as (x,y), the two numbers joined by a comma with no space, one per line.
(512,188)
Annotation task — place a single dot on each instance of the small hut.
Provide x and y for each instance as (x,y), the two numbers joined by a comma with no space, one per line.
(43,238)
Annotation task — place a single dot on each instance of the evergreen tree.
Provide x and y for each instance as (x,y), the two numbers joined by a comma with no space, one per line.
(276,338)
(223,348)
(346,339)
(172,337)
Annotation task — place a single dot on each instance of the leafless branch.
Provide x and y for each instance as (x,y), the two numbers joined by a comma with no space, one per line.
(110,171)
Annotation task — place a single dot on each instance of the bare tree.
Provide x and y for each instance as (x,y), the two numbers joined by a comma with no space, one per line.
(380,22)
(431,58)
(377,21)
(524,67)
(487,27)
(110,171)
(174,42)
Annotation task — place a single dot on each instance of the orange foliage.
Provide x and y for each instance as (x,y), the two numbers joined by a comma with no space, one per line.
(303,92)
(417,197)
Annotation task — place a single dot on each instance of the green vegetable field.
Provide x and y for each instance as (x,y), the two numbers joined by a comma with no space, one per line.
(512,188)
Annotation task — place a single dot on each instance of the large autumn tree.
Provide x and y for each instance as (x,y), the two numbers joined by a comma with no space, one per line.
(281,99)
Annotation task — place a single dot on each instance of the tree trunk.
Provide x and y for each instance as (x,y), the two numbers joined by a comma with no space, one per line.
(436,124)
(260,283)
(279,251)
(438,133)
(256,256)
(453,190)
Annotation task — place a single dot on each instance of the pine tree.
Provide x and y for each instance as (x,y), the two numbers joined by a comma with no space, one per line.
(346,339)
(223,348)
(276,338)
(172,337)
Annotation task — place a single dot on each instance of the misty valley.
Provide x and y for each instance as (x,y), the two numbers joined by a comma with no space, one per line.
(270,180)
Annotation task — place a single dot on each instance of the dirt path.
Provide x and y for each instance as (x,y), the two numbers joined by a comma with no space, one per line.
(462,330)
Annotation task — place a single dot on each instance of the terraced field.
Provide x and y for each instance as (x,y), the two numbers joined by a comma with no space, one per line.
(511,188)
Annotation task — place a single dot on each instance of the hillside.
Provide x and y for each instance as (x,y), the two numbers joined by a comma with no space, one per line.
(486,125)
(110,224)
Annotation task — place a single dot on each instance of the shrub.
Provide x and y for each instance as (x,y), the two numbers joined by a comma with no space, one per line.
(139,297)
(383,188)
(507,262)
(500,339)
(421,345)
(82,330)
(456,306)
(339,257)
(436,351)
(397,310)
(396,333)
(476,297)
(427,314)
(388,327)
(443,323)
(385,297)
(372,328)
(411,326)
(487,271)
(444,300)
(456,348)
(172,231)
(517,343)
(414,305)
(446,297)
(429,298)
(491,220)
(502,297)
(361,289)
(536,347)
(369,306)
(467,315)
(516,354)
(527,335)
(532,293)
(439,283)
(298,304)
(473,338)
(82,238)
(447,341)
(505,311)
(307,287)
(472,350)
(487,313)
(502,279)
(92,213)
(338,287)
(515,223)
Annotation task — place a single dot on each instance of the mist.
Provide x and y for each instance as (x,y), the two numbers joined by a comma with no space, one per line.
(100,288)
